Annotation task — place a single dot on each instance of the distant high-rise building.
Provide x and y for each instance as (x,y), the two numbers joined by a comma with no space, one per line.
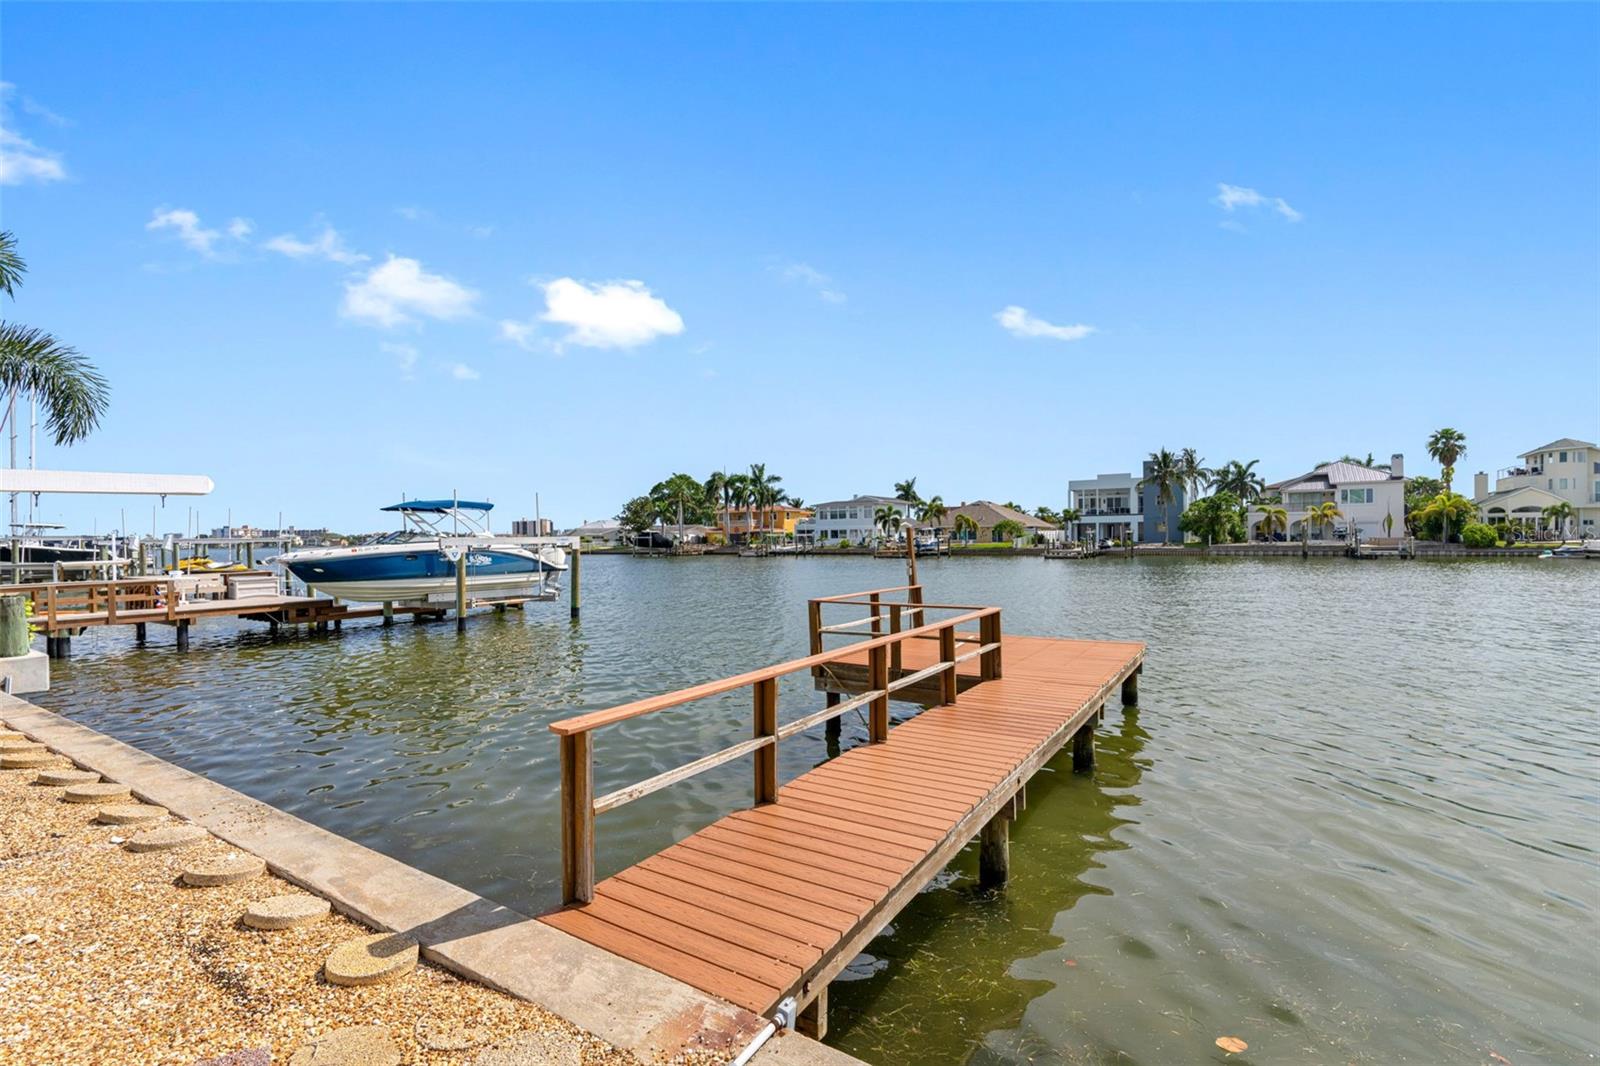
(532,527)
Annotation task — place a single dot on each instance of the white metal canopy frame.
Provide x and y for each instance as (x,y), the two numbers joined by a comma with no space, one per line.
(90,482)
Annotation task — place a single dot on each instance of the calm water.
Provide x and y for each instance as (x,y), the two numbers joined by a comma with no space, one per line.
(1354,821)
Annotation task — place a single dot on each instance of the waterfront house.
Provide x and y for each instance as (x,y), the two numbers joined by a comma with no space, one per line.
(988,514)
(1160,524)
(1365,495)
(740,524)
(604,533)
(1563,470)
(848,520)
(1109,506)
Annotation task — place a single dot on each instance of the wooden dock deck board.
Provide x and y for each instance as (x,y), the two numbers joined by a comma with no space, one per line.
(774,901)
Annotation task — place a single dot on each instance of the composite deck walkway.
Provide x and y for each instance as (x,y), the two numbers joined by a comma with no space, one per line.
(773,901)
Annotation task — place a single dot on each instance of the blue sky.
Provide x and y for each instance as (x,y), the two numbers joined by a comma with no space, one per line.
(333,254)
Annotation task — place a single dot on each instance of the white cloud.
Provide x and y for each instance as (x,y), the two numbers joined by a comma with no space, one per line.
(405,356)
(1230,197)
(326,245)
(463,372)
(187,224)
(607,314)
(1019,323)
(391,293)
(21,160)
(518,333)
(809,276)
(240,228)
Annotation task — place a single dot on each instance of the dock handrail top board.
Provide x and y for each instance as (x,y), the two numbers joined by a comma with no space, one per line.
(584,723)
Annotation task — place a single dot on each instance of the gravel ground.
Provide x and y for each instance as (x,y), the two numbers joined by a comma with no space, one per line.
(105,957)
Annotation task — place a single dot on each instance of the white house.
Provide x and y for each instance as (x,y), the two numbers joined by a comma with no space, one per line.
(1565,469)
(606,532)
(1108,506)
(848,520)
(1366,496)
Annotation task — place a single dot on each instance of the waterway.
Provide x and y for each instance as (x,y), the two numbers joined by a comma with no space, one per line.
(1355,818)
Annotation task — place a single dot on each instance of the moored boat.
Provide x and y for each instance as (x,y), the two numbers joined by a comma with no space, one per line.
(418,562)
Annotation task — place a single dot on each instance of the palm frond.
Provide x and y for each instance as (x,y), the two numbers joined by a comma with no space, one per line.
(11,265)
(72,391)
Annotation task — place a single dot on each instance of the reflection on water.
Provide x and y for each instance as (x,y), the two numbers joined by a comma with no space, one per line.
(1355,820)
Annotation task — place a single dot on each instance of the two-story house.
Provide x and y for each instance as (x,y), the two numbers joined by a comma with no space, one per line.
(851,520)
(1372,500)
(1109,506)
(1563,470)
(753,523)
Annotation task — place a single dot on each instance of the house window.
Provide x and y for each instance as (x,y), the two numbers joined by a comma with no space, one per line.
(1563,457)
(1563,481)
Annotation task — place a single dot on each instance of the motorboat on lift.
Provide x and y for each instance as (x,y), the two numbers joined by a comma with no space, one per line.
(418,562)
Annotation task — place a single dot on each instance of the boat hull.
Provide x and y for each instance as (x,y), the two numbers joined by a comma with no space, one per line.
(414,572)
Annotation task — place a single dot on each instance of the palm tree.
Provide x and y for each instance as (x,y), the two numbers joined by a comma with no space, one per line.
(1556,516)
(1166,475)
(716,488)
(886,519)
(738,496)
(763,490)
(1239,479)
(1193,473)
(676,495)
(1319,514)
(933,511)
(966,527)
(1447,445)
(1273,518)
(1069,516)
(907,490)
(35,364)
(1445,506)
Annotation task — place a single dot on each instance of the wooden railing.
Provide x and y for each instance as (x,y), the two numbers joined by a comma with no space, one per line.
(892,609)
(52,600)
(579,805)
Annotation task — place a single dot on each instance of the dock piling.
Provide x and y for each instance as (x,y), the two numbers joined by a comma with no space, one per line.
(1083,746)
(813,1020)
(139,632)
(576,567)
(1130,687)
(183,634)
(388,612)
(994,849)
(461,593)
(13,626)
(834,725)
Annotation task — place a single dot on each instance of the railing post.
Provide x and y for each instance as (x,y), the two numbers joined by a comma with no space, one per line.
(877,615)
(878,718)
(947,654)
(989,633)
(577,819)
(894,649)
(766,725)
(814,624)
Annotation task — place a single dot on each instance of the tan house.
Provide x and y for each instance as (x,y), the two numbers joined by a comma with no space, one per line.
(988,514)
(1563,470)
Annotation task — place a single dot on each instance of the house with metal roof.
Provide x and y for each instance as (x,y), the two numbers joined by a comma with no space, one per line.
(1371,499)
(850,521)
(1563,470)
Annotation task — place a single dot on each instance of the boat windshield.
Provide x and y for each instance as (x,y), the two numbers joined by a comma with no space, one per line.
(399,536)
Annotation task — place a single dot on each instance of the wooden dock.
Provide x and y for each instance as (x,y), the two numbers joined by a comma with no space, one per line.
(64,609)
(771,903)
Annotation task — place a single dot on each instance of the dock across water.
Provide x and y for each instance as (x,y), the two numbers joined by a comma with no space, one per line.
(771,903)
